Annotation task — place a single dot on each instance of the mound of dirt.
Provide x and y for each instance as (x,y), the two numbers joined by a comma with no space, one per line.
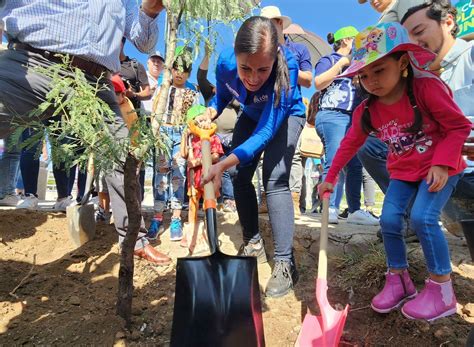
(52,293)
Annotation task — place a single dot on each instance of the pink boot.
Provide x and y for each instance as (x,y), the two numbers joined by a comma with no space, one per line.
(398,288)
(436,300)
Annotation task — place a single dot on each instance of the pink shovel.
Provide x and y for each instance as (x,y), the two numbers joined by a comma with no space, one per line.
(324,330)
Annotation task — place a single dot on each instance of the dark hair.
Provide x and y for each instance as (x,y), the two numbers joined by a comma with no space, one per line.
(335,44)
(438,10)
(258,33)
(183,62)
(124,39)
(365,121)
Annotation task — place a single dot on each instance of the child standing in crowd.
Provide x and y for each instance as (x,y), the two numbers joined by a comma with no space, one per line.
(171,167)
(191,151)
(414,113)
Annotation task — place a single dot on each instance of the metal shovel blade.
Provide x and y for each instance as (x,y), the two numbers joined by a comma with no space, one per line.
(217,297)
(81,217)
(217,302)
(81,223)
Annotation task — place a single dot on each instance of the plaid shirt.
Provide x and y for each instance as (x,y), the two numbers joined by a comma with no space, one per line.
(91,29)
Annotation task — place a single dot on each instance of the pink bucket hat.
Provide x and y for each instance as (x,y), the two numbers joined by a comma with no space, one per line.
(376,42)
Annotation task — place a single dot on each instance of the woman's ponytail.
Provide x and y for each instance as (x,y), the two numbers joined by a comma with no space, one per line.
(282,79)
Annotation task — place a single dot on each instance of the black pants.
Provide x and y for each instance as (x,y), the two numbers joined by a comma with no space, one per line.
(276,172)
(22,90)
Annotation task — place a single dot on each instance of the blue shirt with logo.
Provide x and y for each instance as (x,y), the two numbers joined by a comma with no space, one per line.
(341,94)
(259,105)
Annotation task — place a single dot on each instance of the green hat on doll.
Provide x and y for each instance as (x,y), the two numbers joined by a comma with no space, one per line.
(194,111)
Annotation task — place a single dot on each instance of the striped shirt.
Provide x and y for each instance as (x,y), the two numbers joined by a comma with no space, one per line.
(91,29)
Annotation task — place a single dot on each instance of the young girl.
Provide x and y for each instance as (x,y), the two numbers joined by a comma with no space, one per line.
(191,151)
(414,113)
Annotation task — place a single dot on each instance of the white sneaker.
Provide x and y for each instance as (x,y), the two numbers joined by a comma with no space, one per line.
(10,200)
(30,202)
(333,213)
(63,203)
(362,217)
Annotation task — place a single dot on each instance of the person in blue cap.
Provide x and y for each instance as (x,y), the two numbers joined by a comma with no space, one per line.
(262,75)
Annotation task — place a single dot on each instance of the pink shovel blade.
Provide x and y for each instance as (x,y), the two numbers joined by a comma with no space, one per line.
(324,330)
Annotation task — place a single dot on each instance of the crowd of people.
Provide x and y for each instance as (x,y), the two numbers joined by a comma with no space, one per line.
(393,108)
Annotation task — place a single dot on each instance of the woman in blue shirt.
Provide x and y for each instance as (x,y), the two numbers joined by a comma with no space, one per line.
(262,76)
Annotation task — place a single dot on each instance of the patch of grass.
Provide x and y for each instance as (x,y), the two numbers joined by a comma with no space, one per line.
(364,267)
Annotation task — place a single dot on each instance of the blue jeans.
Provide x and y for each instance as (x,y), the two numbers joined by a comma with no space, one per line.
(341,183)
(9,166)
(65,181)
(276,174)
(373,155)
(171,167)
(424,217)
(29,164)
(331,127)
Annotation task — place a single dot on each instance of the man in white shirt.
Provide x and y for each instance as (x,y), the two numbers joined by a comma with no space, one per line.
(433,25)
(155,66)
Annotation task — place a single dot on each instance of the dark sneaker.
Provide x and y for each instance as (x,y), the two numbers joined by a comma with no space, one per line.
(344,214)
(254,250)
(155,229)
(284,276)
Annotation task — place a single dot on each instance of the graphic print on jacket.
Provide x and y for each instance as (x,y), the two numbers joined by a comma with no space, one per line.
(400,142)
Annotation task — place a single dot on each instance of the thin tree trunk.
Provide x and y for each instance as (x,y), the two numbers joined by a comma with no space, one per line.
(132,201)
(159,105)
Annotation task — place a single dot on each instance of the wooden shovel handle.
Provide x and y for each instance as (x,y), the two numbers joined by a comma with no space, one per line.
(209,193)
(205,136)
(323,239)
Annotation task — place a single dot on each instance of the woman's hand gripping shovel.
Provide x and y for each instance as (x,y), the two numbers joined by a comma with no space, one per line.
(324,330)
(217,297)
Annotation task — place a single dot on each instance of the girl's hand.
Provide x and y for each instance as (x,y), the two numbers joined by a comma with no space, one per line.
(325,187)
(437,178)
(214,175)
(206,118)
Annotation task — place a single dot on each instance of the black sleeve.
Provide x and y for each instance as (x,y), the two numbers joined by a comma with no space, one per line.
(142,76)
(206,87)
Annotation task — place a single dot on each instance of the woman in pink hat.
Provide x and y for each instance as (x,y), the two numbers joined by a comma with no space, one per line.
(413,112)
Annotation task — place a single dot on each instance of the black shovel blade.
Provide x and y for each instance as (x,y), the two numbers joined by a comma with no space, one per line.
(217,302)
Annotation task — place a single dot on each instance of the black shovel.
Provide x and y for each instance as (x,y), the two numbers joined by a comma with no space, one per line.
(217,300)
